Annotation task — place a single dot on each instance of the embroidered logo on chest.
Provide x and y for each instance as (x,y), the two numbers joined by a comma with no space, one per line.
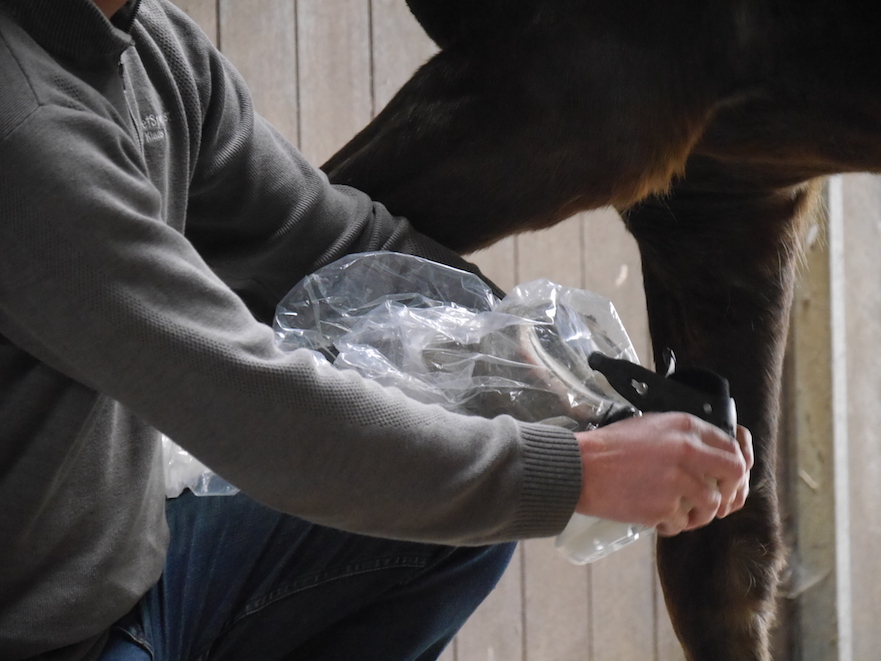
(154,126)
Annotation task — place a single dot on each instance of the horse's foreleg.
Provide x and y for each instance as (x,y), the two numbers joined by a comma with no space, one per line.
(719,263)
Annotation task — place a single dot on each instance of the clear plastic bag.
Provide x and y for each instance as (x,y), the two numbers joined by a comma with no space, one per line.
(442,337)
(184,471)
(448,340)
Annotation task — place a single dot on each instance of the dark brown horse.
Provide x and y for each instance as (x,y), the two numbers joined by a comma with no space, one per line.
(707,125)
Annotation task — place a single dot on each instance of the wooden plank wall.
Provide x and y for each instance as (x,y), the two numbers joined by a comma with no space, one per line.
(813,444)
(319,70)
(831,468)
(862,246)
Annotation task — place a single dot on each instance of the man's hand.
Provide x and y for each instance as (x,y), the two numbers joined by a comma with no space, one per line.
(671,471)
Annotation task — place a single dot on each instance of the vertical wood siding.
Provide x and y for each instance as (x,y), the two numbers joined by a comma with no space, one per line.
(862,246)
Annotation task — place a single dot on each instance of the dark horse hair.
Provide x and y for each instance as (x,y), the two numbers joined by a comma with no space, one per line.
(707,125)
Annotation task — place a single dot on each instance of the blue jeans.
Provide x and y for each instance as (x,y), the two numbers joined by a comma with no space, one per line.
(244,582)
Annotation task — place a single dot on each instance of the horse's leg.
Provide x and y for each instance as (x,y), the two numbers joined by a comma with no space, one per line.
(719,261)
(478,146)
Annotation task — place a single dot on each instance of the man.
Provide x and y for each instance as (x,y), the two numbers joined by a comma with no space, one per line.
(149,222)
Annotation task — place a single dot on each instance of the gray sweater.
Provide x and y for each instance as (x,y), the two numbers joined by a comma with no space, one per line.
(149,223)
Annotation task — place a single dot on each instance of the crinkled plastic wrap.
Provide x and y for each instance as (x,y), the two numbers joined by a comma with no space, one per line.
(442,337)
(184,471)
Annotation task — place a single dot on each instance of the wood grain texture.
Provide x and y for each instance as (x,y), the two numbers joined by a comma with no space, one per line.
(259,38)
(809,408)
(334,54)
(204,12)
(862,233)
(557,604)
(622,609)
(400,47)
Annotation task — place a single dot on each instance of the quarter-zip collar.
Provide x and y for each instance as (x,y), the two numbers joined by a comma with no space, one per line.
(75,30)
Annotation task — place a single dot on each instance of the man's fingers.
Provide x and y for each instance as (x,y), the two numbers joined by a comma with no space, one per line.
(665,530)
(724,473)
(690,514)
(720,457)
(702,501)
(734,487)
(675,523)
(745,439)
(670,470)
(740,498)
(714,437)
(722,463)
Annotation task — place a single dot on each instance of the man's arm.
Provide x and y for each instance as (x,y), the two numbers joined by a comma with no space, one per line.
(93,283)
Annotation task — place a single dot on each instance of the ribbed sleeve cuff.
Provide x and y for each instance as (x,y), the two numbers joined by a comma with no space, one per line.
(552,481)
